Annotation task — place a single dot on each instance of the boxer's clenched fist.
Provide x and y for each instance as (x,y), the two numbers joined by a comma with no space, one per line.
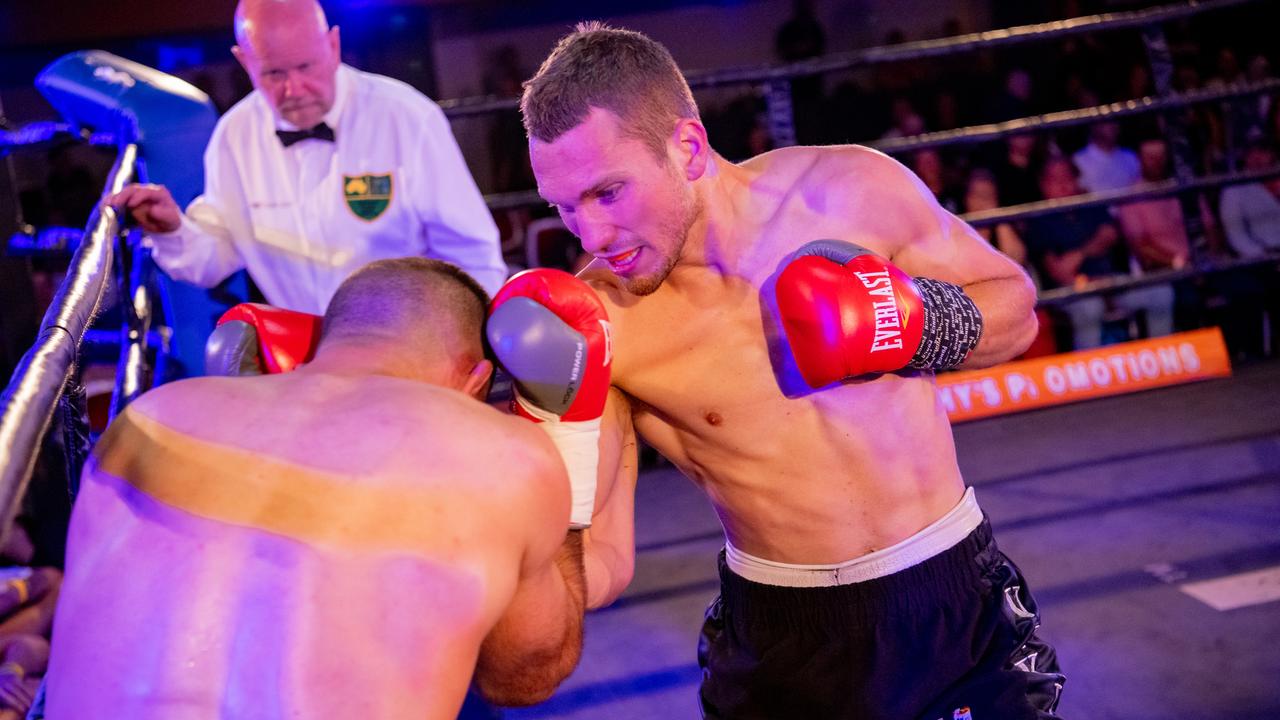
(849,312)
(551,333)
(253,339)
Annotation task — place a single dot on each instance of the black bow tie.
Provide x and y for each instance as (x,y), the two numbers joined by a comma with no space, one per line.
(319,132)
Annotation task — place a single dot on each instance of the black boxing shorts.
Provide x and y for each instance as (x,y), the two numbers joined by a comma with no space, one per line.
(951,637)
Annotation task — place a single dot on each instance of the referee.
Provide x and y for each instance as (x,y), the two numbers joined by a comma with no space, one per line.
(320,170)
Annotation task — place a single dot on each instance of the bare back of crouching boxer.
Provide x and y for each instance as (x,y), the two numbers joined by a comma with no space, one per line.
(347,540)
(793,382)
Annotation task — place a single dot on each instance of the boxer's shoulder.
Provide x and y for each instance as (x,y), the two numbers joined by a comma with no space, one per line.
(474,427)
(869,197)
(165,416)
(457,434)
(828,180)
(176,402)
(808,164)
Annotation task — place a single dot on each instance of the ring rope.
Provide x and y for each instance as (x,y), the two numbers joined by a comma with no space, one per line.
(28,403)
(483,104)
(1144,191)
(1069,118)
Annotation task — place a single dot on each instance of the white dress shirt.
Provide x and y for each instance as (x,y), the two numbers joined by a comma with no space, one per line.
(1106,170)
(301,219)
(1251,216)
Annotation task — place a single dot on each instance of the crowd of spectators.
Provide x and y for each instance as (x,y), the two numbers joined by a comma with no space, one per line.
(28,596)
(900,99)
(1073,248)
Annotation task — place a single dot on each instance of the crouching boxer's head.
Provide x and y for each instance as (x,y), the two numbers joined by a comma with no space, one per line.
(409,317)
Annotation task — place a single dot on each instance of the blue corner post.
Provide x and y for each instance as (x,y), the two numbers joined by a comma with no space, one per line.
(170,120)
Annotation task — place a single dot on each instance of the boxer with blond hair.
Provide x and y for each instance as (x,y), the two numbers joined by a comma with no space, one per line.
(773,328)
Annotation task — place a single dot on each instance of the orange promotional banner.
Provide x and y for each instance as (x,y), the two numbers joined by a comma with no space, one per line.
(1069,377)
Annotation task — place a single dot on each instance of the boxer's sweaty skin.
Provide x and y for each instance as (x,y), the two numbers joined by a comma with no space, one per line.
(293,546)
(796,475)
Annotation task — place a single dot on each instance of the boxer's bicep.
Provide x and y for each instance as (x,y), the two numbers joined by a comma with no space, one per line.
(936,244)
(609,545)
(924,239)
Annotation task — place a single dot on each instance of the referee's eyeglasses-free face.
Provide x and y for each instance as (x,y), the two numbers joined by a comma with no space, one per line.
(295,71)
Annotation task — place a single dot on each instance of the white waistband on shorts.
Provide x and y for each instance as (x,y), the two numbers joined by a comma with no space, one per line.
(941,535)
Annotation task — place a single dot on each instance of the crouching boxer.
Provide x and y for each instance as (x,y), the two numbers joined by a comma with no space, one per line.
(351,539)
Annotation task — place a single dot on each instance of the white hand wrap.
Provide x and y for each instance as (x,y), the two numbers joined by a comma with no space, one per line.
(579,446)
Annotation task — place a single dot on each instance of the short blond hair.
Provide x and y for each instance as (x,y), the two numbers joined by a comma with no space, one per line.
(624,72)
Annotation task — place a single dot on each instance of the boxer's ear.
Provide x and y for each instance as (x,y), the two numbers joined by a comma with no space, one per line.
(477,383)
(693,150)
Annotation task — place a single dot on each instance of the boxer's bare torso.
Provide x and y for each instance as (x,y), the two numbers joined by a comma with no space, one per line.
(815,479)
(300,545)
(796,475)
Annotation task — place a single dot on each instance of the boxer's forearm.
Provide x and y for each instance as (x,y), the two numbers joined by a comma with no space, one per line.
(538,641)
(1008,319)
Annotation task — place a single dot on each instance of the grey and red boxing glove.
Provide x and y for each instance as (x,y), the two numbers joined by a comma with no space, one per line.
(550,332)
(257,339)
(849,312)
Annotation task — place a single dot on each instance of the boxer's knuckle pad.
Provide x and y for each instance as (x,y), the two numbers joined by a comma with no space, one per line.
(232,349)
(809,299)
(544,355)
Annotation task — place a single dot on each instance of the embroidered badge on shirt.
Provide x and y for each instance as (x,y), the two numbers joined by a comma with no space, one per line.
(368,196)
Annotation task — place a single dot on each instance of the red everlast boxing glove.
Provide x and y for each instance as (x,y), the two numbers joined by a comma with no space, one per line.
(550,332)
(849,312)
(253,339)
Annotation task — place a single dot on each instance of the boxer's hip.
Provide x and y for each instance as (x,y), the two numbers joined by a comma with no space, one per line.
(940,536)
(939,622)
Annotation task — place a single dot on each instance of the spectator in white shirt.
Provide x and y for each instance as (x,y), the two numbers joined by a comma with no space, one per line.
(1103,164)
(320,170)
(1251,212)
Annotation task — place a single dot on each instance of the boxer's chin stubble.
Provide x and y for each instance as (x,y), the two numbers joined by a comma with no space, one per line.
(691,210)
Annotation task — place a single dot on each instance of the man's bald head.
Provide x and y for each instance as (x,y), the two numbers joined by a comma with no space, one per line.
(432,309)
(253,17)
(292,56)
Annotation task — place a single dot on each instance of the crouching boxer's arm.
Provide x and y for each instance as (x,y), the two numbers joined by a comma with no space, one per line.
(537,641)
